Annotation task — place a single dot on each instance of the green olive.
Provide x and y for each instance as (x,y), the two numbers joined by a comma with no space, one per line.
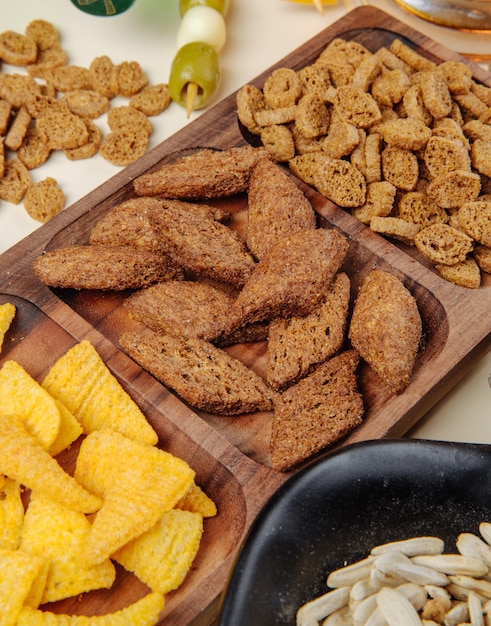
(219,5)
(195,66)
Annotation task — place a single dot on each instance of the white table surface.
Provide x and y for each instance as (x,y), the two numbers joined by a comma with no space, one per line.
(260,32)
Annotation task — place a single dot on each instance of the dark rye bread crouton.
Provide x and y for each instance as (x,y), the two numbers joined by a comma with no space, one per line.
(316,412)
(277,208)
(207,173)
(104,267)
(386,328)
(128,224)
(206,377)
(188,309)
(292,278)
(297,344)
(203,245)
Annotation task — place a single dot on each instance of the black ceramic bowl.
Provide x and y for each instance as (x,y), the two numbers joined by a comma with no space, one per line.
(336,509)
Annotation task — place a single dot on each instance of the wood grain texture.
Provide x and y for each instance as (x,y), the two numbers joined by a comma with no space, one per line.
(230,455)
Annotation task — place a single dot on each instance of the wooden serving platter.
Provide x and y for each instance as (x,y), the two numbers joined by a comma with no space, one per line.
(230,455)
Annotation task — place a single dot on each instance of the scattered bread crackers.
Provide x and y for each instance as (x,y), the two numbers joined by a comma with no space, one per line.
(48,104)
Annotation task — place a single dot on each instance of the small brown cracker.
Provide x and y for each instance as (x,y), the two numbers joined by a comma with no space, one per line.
(340,181)
(466,273)
(17,49)
(44,200)
(123,147)
(278,139)
(357,106)
(86,102)
(18,129)
(448,127)
(282,88)
(18,89)
(90,148)
(341,139)
(436,95)
(474,219)
(400,167)
(416,207)
(414,107)
(475,129)
(62,129)
(389,88)
(100,71)
(127,78)
(46,62)
(373,157)
(443,244)
(304,165)
(443,155)
(482,254)
(470,103)
(70,77)
(34,151)
(458,76)
(312,116)
(44,33)
(39,103)
(315,79)
(15,182)
(152,99)
(392,62)
(281,115)
(250,100)
(5,112)
(367,71)
(125,117)
(408,133)
(379,201)
(395,228)
(410,56)
(453,189)
(481,156)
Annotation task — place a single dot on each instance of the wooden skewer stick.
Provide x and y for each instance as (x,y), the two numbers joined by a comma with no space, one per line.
(191,93)
(318,6)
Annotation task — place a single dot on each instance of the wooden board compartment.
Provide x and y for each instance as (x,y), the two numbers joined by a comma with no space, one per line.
(231,455)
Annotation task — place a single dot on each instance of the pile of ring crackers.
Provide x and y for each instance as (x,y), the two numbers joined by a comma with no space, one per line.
(401,142)
(128,502)
(48,104)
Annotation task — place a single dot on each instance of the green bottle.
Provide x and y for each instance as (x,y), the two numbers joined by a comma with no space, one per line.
(103,7)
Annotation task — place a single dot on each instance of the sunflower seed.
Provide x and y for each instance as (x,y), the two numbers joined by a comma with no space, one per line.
(400,565)
(310,613)
(350,574)
(397,609)
(453,564)
(411,547)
